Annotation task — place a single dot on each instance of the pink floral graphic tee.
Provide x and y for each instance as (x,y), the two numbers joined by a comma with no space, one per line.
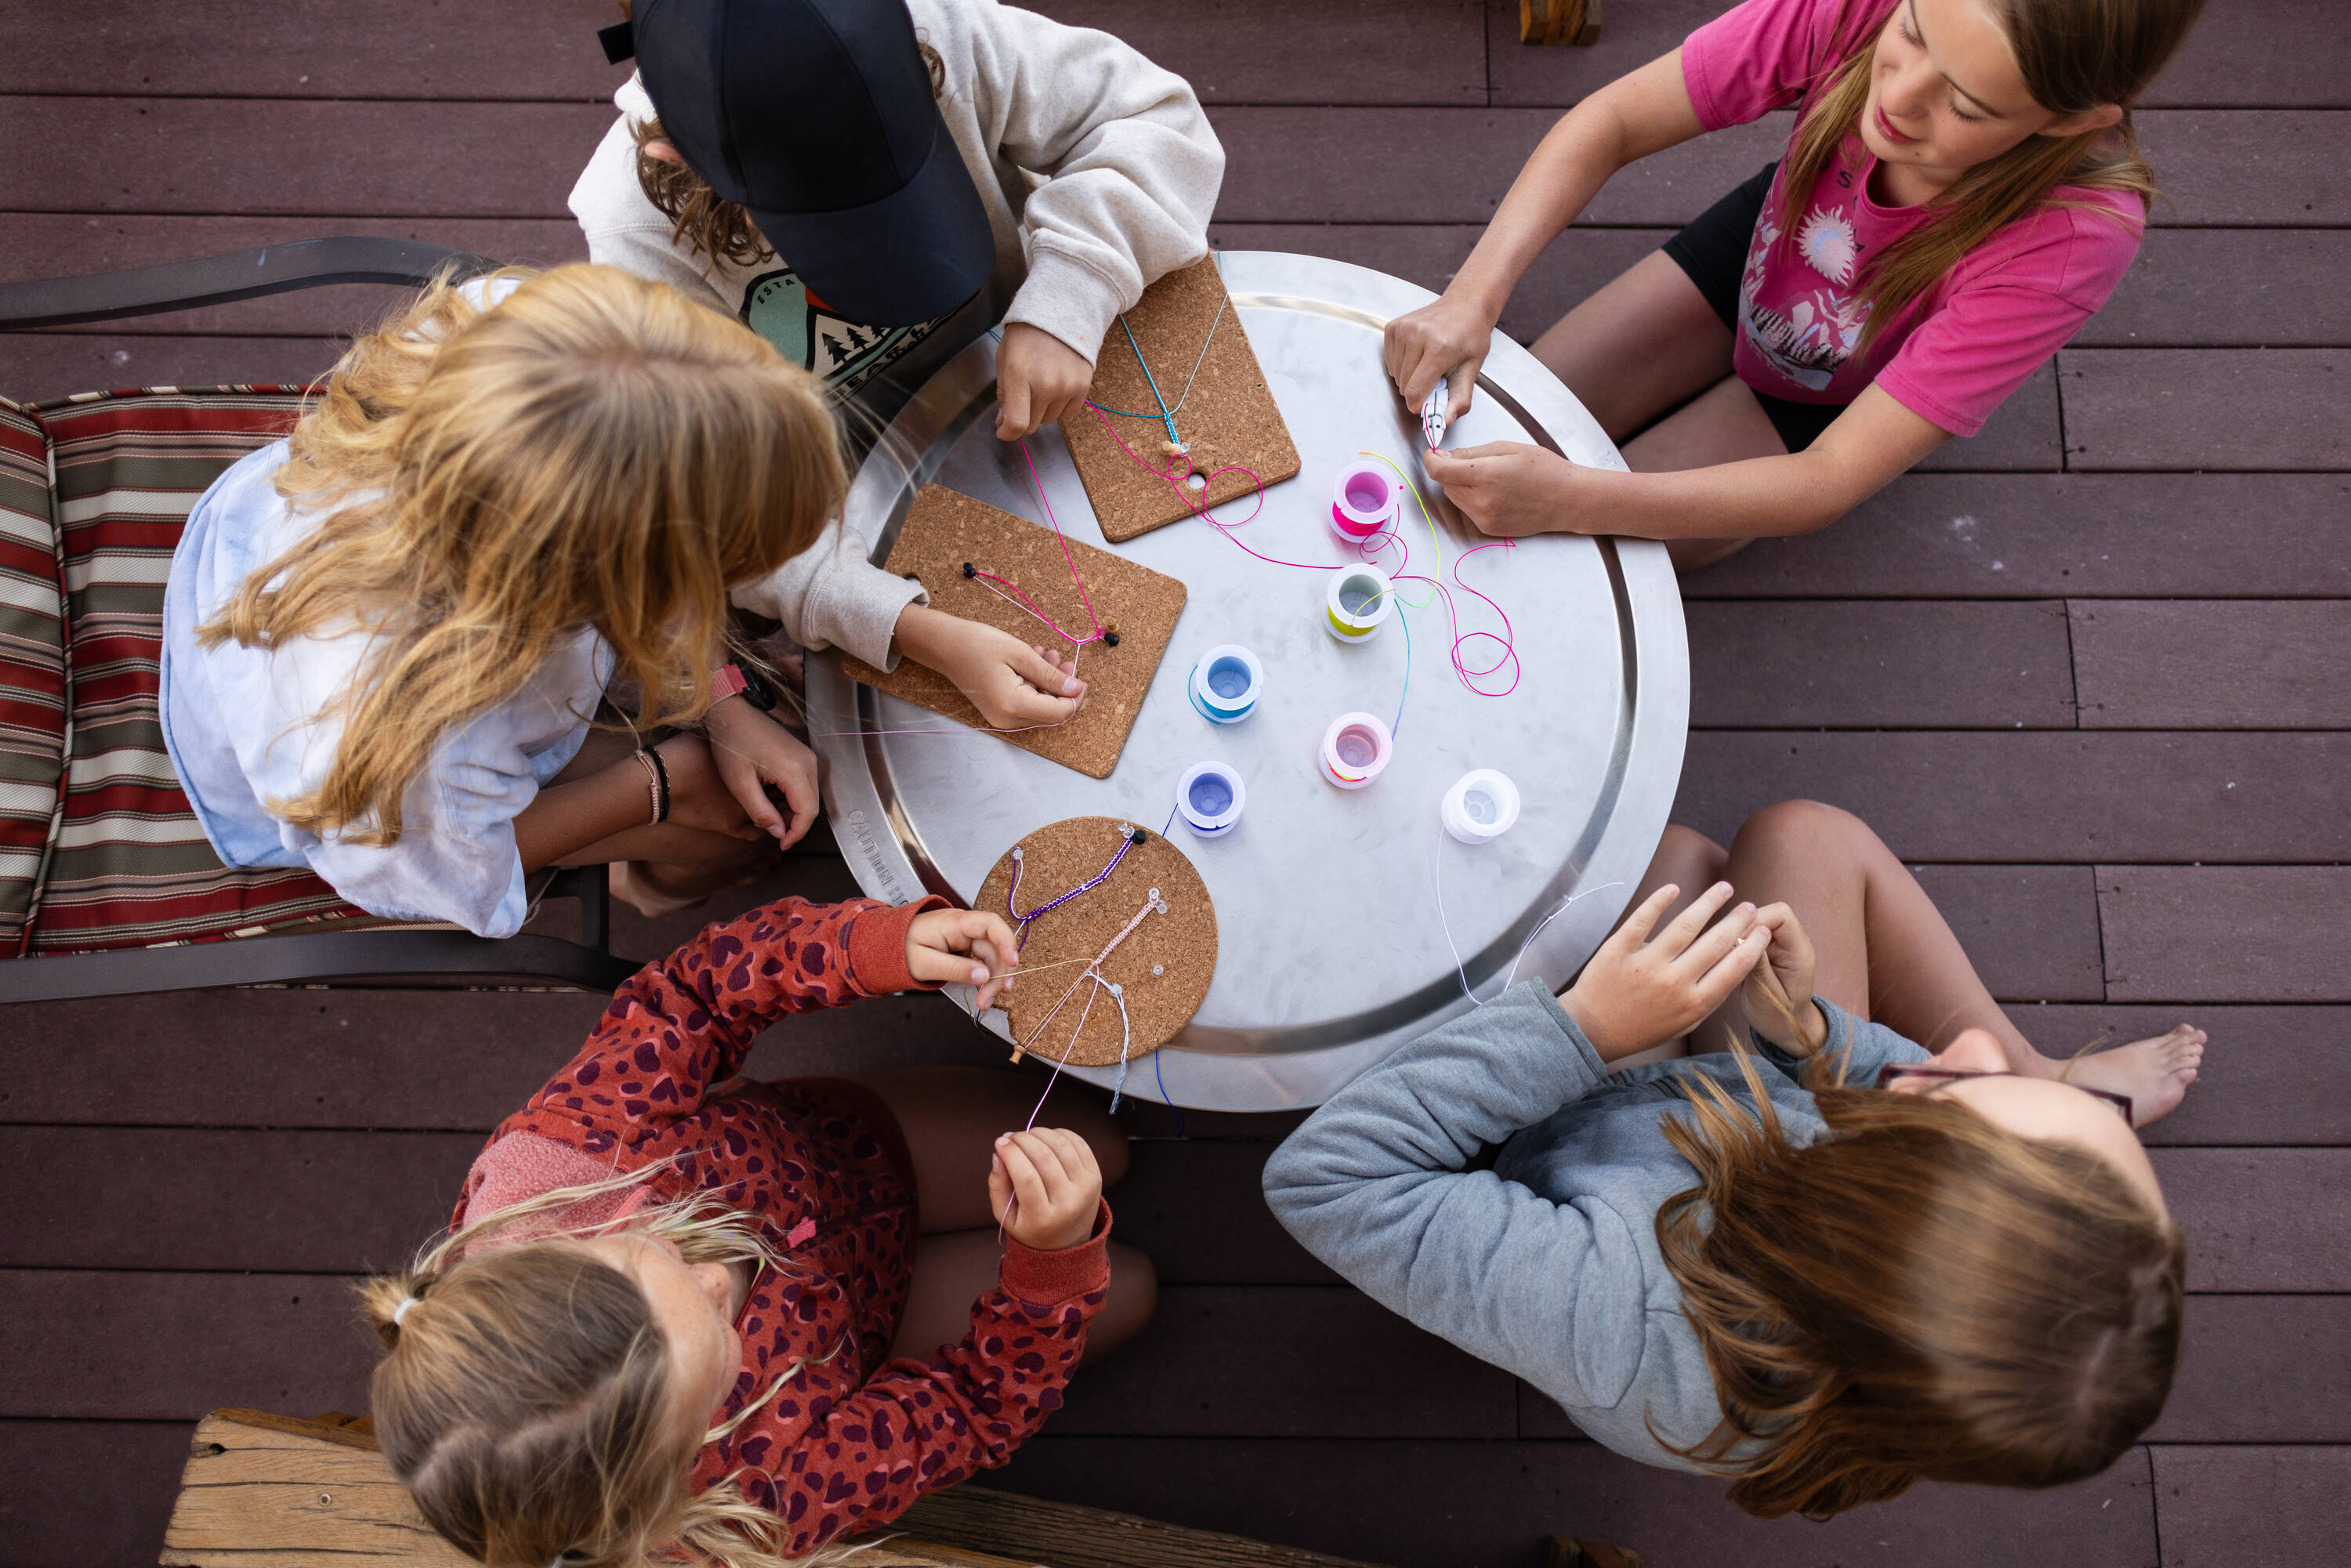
(1961,347)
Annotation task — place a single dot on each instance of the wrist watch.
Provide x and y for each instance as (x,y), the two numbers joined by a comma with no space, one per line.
(733,680)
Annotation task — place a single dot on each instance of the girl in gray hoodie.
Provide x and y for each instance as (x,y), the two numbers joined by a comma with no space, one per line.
(1878,1239)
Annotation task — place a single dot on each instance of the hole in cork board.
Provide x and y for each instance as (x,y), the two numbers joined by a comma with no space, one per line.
(1365,493)
(1211,796)
(1197,481)
(1229,677)
(1358,593)
(1356,746)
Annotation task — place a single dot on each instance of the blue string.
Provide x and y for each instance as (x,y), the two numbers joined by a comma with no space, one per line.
(1402,619)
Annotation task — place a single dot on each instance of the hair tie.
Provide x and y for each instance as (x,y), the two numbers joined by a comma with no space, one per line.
(400,1312)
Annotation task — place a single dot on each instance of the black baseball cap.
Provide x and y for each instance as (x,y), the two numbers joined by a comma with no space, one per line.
(817,117)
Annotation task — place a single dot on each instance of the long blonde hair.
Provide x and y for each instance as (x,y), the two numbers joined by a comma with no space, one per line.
(592,451)
(2075,56)
(524,1401)
(1918,1295)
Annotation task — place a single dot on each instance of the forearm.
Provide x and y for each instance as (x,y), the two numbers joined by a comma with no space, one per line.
(1631,118)
(1759,498)
(561,821)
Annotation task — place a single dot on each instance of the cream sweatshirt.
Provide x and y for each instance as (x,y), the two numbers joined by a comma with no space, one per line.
(1098,171)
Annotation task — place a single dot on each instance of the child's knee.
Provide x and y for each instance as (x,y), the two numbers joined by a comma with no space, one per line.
(1804,824)
(1134,1298)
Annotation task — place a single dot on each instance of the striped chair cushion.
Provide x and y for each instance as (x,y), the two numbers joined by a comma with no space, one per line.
(32,668)
(128,865)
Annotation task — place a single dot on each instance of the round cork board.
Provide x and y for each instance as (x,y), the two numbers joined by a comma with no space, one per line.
(1181,943)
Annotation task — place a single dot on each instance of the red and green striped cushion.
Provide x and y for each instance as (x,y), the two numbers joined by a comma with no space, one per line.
(127,864)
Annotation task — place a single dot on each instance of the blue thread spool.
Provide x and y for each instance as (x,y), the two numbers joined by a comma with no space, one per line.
(1209,798)
(1225,683)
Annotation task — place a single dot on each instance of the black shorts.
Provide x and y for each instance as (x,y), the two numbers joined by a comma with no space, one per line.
(1713,251)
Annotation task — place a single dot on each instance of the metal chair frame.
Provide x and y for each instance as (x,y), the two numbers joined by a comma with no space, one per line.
(452,959)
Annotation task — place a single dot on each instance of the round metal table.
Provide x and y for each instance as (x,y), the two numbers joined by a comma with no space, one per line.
(1331,952)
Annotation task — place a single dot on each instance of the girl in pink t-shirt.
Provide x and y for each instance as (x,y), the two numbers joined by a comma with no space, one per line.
(1963,189)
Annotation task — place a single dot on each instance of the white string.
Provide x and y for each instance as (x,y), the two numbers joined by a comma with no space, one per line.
(1437,878)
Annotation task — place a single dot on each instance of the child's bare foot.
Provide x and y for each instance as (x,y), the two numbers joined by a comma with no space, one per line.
(2154,1073)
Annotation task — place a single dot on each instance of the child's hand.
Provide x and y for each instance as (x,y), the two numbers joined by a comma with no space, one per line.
(962,946)
(1448,339)
(1637,993)
(698,796)
(1778,994)
(1045,1188)
(1508,489)
(1013,684)
(1039,381)
(751,752)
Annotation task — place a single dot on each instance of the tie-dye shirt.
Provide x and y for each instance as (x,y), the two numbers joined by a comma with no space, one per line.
(1959,350)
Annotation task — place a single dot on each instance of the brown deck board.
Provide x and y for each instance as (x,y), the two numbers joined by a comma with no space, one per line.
(45,1515)
(2031,931)
(2225,933)
(2262,1220)
(1295,1361)
(61,245)
(2041,797)
(2206,408)
(2127,535)
(2194,289)
(204,155)
(1377,52)
(518,49)
(2023,435)
(2261,1369)
(1492,1505)
(2254,1089)
(35,366)
(1956,665)
(2168,663)
(2255,1506)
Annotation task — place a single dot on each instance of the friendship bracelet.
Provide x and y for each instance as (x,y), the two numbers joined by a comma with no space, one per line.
(656,784)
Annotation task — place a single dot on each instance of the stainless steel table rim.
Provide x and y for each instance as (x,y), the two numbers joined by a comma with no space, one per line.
(1331,955)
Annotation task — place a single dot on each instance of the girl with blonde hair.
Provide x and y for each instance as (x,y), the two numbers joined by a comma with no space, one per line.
(386,637)
(1889,1242)
(679,1313)
(1962,190)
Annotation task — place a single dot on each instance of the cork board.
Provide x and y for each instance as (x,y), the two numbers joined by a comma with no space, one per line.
(944,530)
(1229,416)
(1181,943)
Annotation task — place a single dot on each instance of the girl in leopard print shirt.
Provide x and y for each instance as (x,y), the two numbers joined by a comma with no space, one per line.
(677,1308)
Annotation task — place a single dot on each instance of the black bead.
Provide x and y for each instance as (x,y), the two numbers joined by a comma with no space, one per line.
(970,570)
(1111,638)
(1140,836)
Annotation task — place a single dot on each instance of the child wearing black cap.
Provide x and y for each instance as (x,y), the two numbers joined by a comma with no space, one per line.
(869,184)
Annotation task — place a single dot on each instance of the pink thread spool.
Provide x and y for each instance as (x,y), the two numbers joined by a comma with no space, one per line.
(1363,502)
(1356,750)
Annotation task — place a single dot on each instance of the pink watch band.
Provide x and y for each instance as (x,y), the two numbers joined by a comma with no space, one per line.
(726,681)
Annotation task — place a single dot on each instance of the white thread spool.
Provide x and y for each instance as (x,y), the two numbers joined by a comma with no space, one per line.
(1226,682)
(1356,750)
(1209,797)
(1481,806)
(1360,600)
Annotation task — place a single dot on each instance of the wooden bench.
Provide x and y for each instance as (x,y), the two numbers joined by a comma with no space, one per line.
(273,1492)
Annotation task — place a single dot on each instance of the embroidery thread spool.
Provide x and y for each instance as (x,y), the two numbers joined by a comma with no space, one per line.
(1363,502)
(1358,604)
(1481,806)
(1356,750)
(1225,683)
(1209,797)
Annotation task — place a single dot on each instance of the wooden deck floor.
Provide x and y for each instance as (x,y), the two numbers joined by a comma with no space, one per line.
(2089,674)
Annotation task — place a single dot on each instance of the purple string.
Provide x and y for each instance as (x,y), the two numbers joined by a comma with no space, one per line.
(1125,844)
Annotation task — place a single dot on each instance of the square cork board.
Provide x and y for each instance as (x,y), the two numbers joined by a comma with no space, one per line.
(946,529)
(1229,416)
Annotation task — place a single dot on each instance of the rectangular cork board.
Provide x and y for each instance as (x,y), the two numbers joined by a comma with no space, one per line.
(946,529)
(1229,416)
